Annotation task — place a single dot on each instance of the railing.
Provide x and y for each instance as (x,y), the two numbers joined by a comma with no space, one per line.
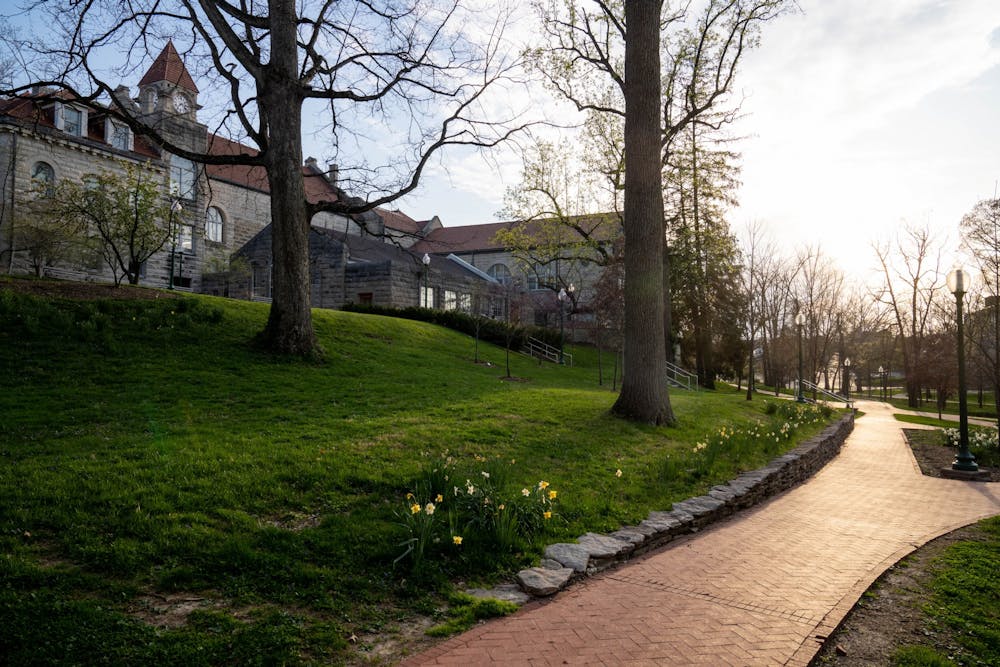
(681,378)
(541,350)
(817,390)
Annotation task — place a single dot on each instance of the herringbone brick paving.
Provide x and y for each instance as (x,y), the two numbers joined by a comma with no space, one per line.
(763,588)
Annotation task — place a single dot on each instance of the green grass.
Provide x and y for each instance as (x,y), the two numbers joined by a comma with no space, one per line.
(149,450)
(987,411)
(964,593)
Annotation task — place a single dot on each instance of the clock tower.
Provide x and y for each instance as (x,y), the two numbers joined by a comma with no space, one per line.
(168,101)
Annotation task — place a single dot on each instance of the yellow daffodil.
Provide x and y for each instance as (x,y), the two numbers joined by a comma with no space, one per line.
(547,515)
(552,495)
(456,539)
(415,508)
(409,496)
(543,485)
(439,498)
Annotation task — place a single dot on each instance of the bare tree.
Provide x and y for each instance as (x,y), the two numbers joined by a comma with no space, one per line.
(912,280)
(406,64)
(587,62)
(981,235)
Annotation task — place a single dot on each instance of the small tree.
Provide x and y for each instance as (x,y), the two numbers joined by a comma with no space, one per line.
(43,234)
(127,212)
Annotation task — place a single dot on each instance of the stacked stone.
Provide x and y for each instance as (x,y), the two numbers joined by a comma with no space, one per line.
(592,552)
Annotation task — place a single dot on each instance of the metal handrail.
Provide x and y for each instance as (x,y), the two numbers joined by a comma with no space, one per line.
(681,377)
(542,350)
(816,389)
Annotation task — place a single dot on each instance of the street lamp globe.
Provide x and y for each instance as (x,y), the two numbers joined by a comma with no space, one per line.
(958,281)
(800,320)
(426,259)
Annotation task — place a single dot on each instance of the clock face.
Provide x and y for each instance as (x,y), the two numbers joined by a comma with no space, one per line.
(181,103)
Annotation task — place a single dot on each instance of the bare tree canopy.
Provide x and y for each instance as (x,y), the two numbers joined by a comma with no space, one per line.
(423,68)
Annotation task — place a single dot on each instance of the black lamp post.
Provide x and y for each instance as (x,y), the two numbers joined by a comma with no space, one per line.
(847,379)
(175,208)
(426,260)
(562,336)
(965,461)
(800,321)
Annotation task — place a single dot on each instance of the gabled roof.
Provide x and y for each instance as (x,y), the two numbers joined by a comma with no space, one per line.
(169,67)
(467,238)
(481,238)
(317,187)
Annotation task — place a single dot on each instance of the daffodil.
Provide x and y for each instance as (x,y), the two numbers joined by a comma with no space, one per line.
(486,474)
(543,485)
(456,539)
(618,473)
(547,515)
(525,492)
(415,508)
(430,508)
(439,498)
(409,496)
(552,495)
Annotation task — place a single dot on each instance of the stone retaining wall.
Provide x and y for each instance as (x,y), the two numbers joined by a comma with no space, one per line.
(592,553)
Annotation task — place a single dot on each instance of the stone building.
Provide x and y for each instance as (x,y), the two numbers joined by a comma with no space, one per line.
(376,257)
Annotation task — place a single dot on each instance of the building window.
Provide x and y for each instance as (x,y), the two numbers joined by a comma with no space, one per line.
(366,298)
(450,300)
(72,121)
(426,297)
(500,273)
(119,136)
(185,239)
(213,224)
(43,176)
(465,303)
(541,276)
(261,285)
(182,177)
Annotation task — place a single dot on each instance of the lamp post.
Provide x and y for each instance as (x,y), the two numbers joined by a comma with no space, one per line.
(426,260)
(562,337)
(965,461)
(175,209)
(881,382)
(800,321)
(847,379)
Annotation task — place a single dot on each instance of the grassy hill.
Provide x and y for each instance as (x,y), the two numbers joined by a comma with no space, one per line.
(168,493)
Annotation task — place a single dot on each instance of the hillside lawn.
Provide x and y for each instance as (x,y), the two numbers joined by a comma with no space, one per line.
(169,494)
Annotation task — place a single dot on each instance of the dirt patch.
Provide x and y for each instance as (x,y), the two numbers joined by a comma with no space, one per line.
(392,646)
(932,458)
(169,611)
(294,521)
(80,291)
(889,615)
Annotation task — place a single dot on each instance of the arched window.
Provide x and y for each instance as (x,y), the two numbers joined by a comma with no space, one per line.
(213,224)
(43,176)
(43,172)
(500,273)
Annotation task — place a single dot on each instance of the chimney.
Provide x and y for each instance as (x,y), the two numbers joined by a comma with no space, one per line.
(311,163)
(332,173)
(122,97)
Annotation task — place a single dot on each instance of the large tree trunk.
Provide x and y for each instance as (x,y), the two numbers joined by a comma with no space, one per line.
(289,327)
(644,394)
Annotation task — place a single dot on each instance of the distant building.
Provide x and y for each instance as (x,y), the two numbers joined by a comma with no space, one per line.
(374,257)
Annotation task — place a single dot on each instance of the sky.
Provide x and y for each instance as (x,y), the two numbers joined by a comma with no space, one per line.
(860,117)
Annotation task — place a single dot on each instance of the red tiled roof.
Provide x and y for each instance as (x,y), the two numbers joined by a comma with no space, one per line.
(400,221)
(253,176)
(462,239)
(471,238)
(168,66)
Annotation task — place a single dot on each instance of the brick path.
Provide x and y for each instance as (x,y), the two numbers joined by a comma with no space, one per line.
(761,588)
